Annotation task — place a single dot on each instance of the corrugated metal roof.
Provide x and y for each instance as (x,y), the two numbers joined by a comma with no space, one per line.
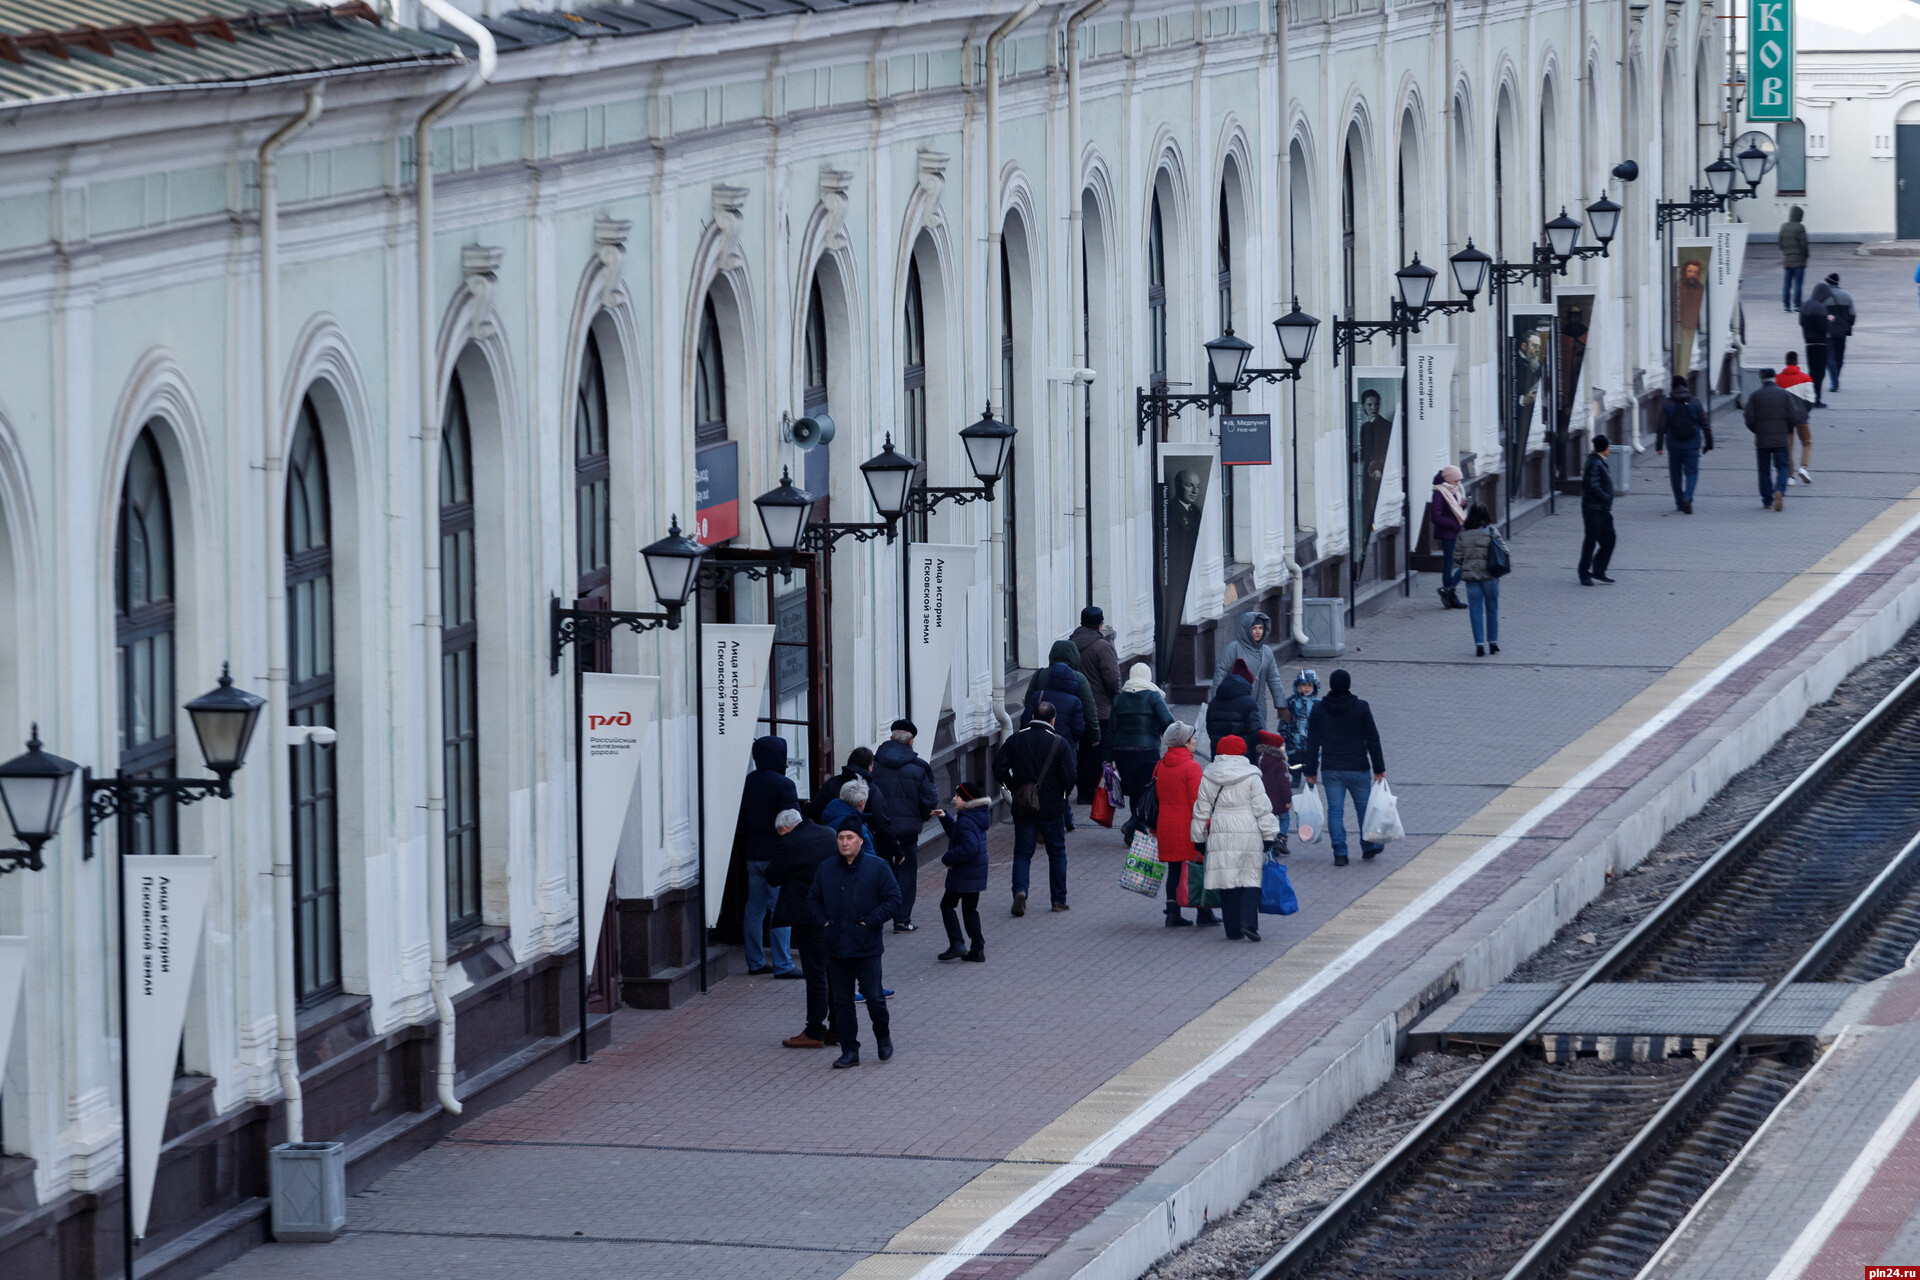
(66,48)
(525,28)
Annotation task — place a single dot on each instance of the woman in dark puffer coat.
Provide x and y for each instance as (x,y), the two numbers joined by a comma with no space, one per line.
(1140,716)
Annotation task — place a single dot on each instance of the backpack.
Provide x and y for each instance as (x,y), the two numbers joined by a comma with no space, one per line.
(1687,421)
(1499,559)
(1026,796)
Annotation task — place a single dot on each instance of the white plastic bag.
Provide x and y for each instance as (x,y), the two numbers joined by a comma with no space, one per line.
(1381,825)
(1309,813)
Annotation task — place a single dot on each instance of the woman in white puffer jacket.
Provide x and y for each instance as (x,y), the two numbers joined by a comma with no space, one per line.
(1235,821)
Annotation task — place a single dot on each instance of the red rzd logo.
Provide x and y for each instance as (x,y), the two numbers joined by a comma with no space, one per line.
(595,722)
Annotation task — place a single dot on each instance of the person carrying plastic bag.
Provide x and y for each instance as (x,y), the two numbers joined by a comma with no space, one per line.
(1381,825)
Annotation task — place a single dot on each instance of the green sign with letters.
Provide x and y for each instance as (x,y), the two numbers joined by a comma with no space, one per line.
(1769,59)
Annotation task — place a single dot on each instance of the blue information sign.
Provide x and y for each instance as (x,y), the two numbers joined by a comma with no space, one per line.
(1246,440)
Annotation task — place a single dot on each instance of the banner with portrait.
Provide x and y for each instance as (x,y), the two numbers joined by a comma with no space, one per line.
(1373,418)
(1575,322)
(1185,472)
(1529,382)
(616,717)
(1690,269)
(733,681)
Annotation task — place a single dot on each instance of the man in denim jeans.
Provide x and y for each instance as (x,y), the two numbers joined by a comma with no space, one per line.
(1342,743)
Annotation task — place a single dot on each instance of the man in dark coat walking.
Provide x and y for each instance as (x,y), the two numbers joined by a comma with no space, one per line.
(1596,510)
(1042,758)
(1772,415)
(1681,434)
(859,765)
(1840,318)
(803,847)
(1814,324)
(1793,257)
(1343,743)
(853,896)
(767,792)
(904,799)
(1101,666)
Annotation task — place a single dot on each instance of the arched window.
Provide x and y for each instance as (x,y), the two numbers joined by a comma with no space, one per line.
(1009,504)
(1224,265)
(310,691)
(459,640)
(709,383)
(1156,296)
(143,636)
(816,353)
(913,381)
(592,536)
(1349,285)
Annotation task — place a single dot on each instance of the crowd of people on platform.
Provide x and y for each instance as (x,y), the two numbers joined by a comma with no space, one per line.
(827,878)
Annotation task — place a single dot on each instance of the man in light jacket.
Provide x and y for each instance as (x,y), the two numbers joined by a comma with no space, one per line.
(1253,646)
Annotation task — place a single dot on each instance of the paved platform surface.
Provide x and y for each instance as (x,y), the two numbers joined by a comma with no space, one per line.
(1038,1100)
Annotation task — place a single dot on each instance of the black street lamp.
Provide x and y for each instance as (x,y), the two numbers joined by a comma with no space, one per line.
(223,720)
(34,788)
(1753,165)
(1227,372)
(1719,195)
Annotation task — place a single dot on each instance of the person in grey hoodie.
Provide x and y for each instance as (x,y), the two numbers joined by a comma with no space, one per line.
(1253,647)
(1793,257)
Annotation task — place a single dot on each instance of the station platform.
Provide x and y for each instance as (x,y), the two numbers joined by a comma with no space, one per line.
(1102,1087)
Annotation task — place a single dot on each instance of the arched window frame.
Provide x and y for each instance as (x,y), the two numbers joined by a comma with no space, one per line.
(709,382)
(913,384)
(312,773)
(144,636)
(592,477)
(459,649)
(1009,488)
(1156,294)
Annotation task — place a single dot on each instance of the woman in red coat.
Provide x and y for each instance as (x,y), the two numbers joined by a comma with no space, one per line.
(1176,785)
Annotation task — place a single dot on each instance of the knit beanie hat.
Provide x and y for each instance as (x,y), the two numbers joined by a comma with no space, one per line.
(854,825)
(1340,681)
(1231,745)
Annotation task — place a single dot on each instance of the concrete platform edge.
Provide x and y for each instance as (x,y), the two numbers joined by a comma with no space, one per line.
(1218,1170)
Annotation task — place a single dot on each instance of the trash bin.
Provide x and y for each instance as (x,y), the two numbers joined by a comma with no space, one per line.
(308,1181)
(1324,618)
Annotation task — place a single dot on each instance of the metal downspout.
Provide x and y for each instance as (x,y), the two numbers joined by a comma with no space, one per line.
(429,381)
(998,611)
(274,493)
(1076,278)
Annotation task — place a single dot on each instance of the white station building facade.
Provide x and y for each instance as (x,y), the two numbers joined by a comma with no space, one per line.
(337,343)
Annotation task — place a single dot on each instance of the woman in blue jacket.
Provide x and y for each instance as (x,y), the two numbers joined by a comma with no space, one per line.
(966,861)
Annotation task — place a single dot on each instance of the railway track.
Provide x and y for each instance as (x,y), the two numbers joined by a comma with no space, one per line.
(1582,1168)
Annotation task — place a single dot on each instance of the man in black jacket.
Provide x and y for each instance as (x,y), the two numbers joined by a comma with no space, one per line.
(767,792)
(798,854)
(1596,510)
(859,765)
(853,896)
(1681,434)
(1039,757)
(1772,414)
(903,799)
(1342,743)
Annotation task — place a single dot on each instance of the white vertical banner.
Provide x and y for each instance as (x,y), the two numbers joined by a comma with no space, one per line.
(1723,287)
(616,715)
(1430,436)
(13,971)
(938,578)
(733,679)
(166,903)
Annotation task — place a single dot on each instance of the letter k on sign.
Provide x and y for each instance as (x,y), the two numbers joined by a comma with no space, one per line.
(1770,60)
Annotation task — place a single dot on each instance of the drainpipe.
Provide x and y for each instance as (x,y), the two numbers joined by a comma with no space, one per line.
(273,476)
(995,391)
(429,530)
(1289,549)
(1076,281)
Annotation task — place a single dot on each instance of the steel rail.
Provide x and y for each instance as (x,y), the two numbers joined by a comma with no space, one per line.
(1306,1247)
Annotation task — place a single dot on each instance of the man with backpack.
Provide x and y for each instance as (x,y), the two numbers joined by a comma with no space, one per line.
(1038,766)
(1681,435)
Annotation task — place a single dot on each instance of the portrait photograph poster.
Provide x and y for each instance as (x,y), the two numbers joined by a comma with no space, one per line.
(1185,472)
(1692,265)
(1375,416)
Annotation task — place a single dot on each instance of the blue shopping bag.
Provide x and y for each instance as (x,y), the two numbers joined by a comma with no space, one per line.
(1276,891)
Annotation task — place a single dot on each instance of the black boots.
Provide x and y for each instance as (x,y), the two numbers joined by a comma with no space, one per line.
(850,1058)
(1450,598)
(1174,919)
(955,951)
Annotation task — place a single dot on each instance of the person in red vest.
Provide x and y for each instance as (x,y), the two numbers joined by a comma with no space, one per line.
(1797,380)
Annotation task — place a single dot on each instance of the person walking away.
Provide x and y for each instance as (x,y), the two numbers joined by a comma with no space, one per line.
(876,837)
(766,793)
(859,765)
(1341,743)
(1176,785)
(1813,336)
(1250,646)
(1794,379)
(904,800)
(966,861)
(1101,666)
(1037,765)
(1140,716)
(803,847)
(1060,690)
(1793,257)
(852,897)
(1299,709)
(1235,710)
(1772,415)
(1234,819)
(1680,435)
(1447,513)
(1068,652)
(1276,775)
(1483,589)
(1840,318)
(1596,512)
